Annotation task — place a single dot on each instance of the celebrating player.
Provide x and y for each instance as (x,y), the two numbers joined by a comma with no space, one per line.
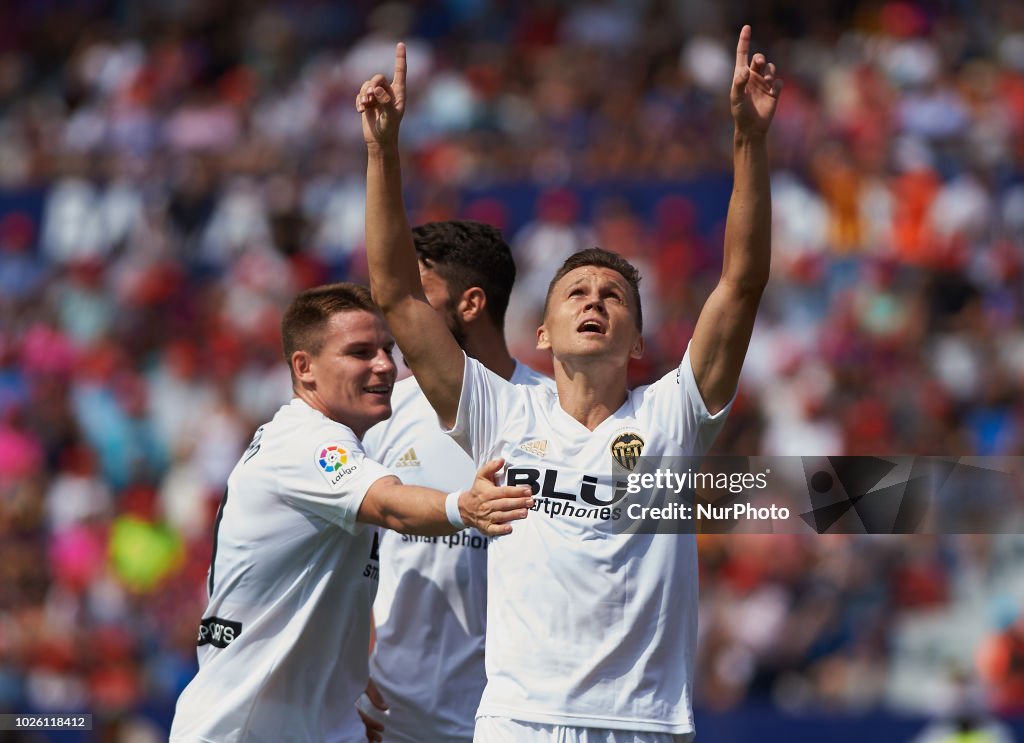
(431,602)
(590,634)
(283,643)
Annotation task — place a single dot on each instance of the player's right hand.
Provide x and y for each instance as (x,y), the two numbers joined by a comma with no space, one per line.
(382,104)
(489,507)
(755,89)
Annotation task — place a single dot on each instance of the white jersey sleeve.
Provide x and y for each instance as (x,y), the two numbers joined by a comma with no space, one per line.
(487,406)
(330,480)
(683,418)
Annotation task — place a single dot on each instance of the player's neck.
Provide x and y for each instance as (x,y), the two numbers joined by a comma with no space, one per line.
(313,400)
(490,350)
(590,392)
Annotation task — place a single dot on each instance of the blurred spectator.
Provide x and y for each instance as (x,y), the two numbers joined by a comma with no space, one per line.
(966,719)
(1001,665)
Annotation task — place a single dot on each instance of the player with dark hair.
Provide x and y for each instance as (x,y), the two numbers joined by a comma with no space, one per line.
(591,633)
(282,644)
(465,254)
(430,610)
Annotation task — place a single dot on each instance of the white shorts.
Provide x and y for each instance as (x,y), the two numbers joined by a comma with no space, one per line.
(504,730)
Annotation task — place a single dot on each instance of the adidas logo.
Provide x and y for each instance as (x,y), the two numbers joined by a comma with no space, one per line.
(537,447)
(408,459)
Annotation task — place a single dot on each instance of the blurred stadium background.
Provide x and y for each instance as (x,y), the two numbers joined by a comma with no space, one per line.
(172,172)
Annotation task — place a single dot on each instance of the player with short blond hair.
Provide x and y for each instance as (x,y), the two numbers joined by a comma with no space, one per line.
(283,642)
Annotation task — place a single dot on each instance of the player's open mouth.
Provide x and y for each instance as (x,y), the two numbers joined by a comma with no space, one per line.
(378,389)
(591,326)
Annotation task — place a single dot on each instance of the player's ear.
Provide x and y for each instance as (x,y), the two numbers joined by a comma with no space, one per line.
(302,367)
(638,347)
(543,342)
(472,304)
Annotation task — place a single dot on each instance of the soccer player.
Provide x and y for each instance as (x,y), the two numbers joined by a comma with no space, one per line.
(427,665)
(590,634)
(283,642)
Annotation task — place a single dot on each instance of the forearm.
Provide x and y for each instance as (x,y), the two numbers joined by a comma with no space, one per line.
(723,330)
(407,509)
(747,252)
(410,509)
(394,271)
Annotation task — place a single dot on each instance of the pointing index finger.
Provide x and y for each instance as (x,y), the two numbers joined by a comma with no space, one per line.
(400,65)
(743,48)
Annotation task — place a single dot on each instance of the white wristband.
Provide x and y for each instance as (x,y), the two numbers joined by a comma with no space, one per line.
(371,710)
(451,507)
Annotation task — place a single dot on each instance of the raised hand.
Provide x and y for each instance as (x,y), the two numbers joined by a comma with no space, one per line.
(490,508)
(755,89)
(382,104)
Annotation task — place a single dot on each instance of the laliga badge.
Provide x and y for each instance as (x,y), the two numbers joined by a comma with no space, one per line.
(335,463)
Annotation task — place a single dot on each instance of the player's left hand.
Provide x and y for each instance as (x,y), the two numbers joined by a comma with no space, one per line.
(755,90)
(489,507)
(382,104)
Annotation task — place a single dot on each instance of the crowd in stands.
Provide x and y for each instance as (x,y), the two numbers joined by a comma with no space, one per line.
(171,173)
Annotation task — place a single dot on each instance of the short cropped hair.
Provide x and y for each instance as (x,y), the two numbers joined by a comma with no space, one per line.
(467,254)
(602,259)
(305,320)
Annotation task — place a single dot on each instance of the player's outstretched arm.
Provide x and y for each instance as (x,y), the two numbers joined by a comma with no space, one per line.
(425,340)
(410,509)
(723,329)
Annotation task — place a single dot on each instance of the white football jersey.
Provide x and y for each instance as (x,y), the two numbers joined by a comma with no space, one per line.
(586,626)
(430,611)
(283,642)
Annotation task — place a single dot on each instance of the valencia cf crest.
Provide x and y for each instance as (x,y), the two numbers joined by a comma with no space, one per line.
(627,449)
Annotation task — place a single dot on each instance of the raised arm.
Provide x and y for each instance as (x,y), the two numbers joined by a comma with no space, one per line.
(723,330)
(411,509)
(427,344)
